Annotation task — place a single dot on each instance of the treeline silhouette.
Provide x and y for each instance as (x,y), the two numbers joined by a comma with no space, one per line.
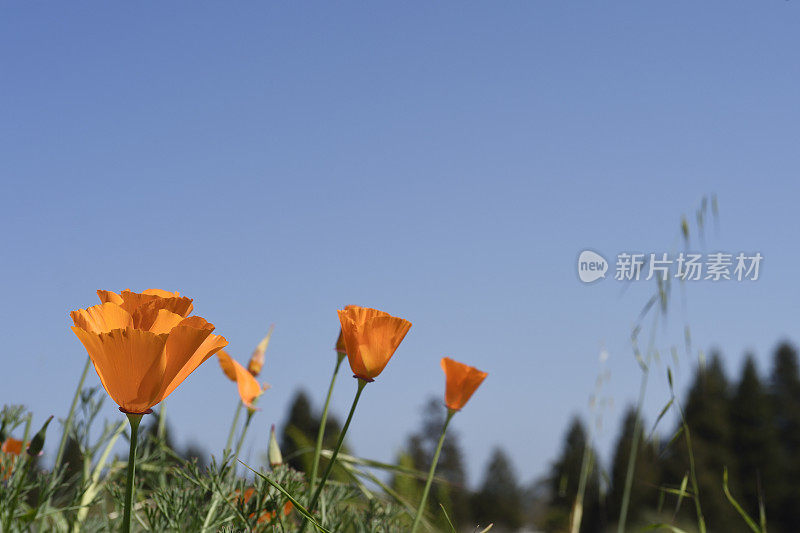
(750,426)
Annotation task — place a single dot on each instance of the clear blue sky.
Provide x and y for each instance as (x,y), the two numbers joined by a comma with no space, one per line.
(444,162)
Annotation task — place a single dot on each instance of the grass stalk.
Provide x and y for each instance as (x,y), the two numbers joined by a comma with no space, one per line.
(315,499)
(429,481)
(68,421)
(323,421)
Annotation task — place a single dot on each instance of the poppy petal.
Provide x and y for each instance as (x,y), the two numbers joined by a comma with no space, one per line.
(102,318)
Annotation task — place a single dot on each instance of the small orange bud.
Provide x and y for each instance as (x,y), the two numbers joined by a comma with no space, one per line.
(257,359)
(340,347)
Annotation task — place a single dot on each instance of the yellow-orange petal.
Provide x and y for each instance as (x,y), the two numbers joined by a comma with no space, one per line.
(109,296)
(226,364)
(102,318)
(161,293)
(130,364)
(131,301)
(190,343)
(12,446)
(351,341)
(155,320)
(179,305)
(249,389)
(461,381)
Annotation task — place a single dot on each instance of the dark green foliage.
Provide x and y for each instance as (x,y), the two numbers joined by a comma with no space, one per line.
(564,482)
(299,435)
(708,416)
(785,383)
(453,494)
(644,494)
(499,500)
(755,443)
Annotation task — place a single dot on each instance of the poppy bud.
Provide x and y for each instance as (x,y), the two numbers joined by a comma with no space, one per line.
(274,452)
(37,442)
(3,432)
(257,359)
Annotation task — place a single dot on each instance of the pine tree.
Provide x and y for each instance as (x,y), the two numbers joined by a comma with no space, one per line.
(707,413)
(499,500)
(564,483)
(785,381)
(754,441)
(644,494)
(300,433)
(453,495)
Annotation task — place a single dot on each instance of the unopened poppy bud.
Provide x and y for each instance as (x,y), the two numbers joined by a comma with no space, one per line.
(257,359)
(3,432)
(274,452)
(37,443)
(340,347)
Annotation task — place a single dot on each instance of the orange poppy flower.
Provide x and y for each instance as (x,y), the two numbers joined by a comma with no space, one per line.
(12,447)
(257,359)
(370,338)
(461,381)
(143,345)
(268,515)
(249,389)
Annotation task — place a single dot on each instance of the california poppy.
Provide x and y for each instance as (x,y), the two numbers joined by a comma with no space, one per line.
(249,388)
(370,338)
(12,447)
(143,345)
(461,381)
(266,516)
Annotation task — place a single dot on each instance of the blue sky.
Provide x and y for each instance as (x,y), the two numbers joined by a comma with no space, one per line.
(443,162)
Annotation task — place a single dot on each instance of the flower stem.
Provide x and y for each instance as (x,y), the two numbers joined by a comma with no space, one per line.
(134,420)
(233,426)
(424,500)
(244,431)
(160,434)
(323,421)
(313,504)
(68,421)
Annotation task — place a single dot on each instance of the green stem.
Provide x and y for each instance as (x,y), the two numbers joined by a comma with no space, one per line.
(244,432)
(68,421)
(134,420)
(233,426)
(27,431)
(313,504)
(421,508)
(322,422)
(161,433)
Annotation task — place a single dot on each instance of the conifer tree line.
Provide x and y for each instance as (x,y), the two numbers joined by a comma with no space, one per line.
(749,425)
